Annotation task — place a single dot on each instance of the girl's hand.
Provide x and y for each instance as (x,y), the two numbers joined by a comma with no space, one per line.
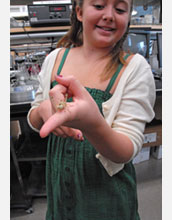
(46,111)
(82,113)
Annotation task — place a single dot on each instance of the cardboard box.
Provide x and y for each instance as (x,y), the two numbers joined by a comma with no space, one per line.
(143,155)
(156,152)
(153,136)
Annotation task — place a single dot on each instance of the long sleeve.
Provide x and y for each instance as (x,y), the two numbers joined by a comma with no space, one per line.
(44,83)
(130,107)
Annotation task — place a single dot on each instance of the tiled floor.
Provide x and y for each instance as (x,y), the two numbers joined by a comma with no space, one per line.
(149,176)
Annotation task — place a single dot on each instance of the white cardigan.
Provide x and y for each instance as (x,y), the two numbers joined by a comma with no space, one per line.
(127,111)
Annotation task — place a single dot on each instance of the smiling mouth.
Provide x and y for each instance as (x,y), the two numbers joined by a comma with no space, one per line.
(106,28)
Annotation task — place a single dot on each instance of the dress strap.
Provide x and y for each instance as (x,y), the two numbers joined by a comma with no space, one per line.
(63,60)
(114,77)
(53,83)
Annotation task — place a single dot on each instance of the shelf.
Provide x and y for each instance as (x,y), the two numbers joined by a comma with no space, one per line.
(147,26)
(38,29)
(19,110)
(65,28)
(36,37)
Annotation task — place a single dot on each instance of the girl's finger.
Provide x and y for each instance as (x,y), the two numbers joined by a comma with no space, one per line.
(59,132)
(74,87)
(58,89)
(57,95)
(71,132)
(56,120)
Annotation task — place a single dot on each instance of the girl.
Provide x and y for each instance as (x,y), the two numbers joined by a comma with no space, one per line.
(95,134)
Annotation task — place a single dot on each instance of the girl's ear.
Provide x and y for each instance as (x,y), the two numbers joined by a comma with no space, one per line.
(79,13)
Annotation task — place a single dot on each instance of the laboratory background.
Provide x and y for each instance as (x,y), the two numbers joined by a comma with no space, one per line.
(35,28)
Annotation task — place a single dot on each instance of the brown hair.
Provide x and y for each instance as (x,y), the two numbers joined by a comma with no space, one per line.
(74,38)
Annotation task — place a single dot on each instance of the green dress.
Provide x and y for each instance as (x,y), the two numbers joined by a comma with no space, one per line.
(78,186)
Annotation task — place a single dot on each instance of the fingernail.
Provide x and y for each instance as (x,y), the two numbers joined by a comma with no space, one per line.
(80,137)
(60,76)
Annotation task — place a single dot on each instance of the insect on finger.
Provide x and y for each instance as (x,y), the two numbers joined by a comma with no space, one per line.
(61,104)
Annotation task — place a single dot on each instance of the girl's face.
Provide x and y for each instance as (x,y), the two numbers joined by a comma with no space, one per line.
(104,21)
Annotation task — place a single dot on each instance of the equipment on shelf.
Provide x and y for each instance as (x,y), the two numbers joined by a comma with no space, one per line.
(46,15)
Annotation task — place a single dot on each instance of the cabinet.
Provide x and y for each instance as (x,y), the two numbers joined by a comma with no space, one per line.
(28,156)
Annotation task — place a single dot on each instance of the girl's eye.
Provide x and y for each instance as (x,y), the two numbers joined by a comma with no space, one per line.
(99,7)
(120,11)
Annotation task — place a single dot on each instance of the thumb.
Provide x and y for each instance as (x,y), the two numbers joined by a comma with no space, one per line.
(53,122)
